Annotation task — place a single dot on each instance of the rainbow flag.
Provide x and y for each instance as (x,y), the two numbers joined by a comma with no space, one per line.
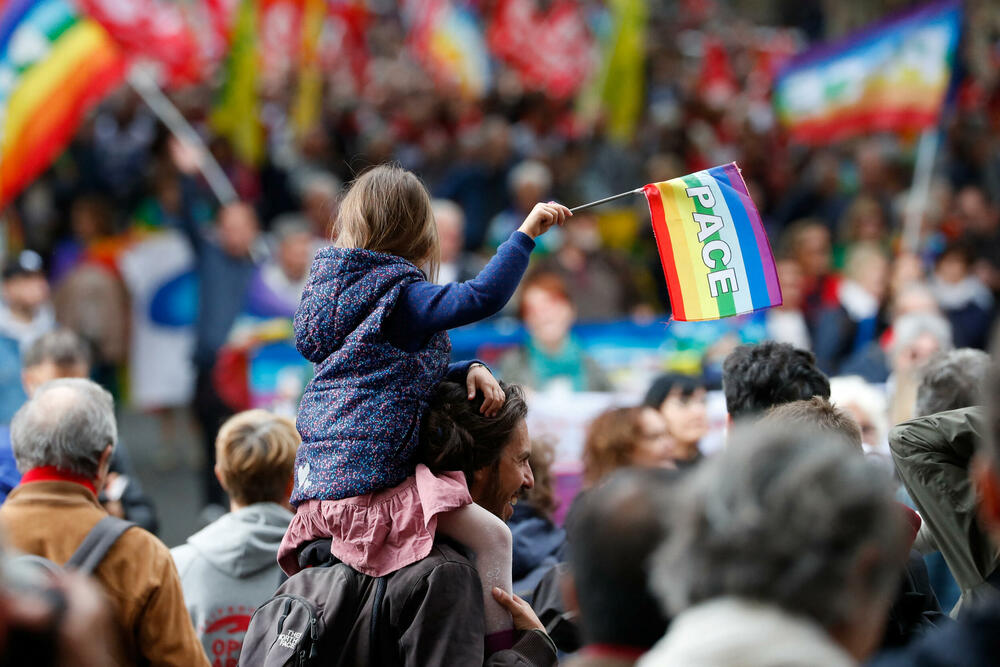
(715,254)
(55,64)
(447,39)
(893,76)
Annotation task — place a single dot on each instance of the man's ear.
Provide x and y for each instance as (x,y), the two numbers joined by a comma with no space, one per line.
(987,483)
(478,481)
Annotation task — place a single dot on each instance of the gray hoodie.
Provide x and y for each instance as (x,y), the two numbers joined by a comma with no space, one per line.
(227,570)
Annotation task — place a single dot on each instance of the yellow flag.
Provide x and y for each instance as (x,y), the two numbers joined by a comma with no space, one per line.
(617,92)
(309,95)
(236,114)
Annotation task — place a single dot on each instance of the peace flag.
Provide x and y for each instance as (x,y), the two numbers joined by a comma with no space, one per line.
(55,65)
(715,254)
(893,76)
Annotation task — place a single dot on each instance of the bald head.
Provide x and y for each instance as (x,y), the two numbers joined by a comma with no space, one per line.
(68,424)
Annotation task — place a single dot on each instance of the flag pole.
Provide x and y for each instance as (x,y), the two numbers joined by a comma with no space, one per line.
(150,92)
(605,200)
(916,203)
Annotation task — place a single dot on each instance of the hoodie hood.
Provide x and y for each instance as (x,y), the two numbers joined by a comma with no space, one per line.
(345,287)
(243,542)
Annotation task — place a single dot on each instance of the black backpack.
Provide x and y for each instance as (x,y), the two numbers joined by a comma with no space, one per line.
(89,554)
(321,616)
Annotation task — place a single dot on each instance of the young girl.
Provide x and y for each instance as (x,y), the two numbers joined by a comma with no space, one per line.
(375,328)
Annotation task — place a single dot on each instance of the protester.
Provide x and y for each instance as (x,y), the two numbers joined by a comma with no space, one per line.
(783,550)
(25,311)
(965,300)
(598,279)
(63,438)
(539,544)
(758,377)
(916,339)
(430,611)
(377,329)
(613,531)
(552,359)
(457,265)
(230,567)
(681,400)
(620,437)
(62,354)
(957,451)
(819,415)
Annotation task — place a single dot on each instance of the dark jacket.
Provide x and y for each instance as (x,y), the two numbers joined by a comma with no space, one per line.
(974,641)
(431,613)
(539,545)
(932,456)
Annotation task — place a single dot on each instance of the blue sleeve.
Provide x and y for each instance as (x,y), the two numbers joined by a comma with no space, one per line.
(458,370)
(425,308)
(188,225)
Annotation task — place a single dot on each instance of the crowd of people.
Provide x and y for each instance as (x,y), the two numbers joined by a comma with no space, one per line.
(408,516)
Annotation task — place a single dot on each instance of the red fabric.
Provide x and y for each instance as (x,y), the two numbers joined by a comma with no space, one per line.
(54,474)
(612,651)
(154,30)
(550,51)
(913,522)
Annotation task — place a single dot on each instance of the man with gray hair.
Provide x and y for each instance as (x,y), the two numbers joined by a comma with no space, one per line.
(784,550)
(62,439)
(952,380)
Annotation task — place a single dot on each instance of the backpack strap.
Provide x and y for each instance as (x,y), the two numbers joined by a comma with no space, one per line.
(96,544)
(373,628)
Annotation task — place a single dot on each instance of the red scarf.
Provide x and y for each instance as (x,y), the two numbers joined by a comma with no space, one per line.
(54,474)
(617,651)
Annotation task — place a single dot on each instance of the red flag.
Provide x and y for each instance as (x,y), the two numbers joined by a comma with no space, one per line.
(550,51)
(154,30)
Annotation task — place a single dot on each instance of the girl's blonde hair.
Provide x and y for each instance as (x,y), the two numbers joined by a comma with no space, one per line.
(388,210)
(255,456)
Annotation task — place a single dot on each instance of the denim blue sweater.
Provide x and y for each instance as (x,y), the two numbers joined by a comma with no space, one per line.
(375,328)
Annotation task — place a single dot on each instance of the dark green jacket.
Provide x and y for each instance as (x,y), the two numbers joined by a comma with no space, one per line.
(933,456)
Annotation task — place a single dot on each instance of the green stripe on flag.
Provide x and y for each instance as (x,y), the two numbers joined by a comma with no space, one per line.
(725,299)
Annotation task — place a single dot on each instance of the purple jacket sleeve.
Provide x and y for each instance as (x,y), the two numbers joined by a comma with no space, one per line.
(425,308)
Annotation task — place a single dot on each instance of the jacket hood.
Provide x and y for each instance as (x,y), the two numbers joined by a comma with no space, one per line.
(243,542)
(344,288)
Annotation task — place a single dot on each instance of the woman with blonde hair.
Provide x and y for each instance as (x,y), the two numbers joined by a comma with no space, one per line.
(230,567)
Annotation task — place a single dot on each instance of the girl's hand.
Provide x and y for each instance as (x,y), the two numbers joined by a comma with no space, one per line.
(542,217)
(479,378)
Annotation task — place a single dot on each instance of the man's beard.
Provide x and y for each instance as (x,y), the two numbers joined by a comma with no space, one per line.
(492,496)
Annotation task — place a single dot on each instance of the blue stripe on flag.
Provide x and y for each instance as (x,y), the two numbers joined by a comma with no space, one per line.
(748,240)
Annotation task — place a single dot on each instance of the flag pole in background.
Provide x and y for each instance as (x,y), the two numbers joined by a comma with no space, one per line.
(143,84)
(916,202)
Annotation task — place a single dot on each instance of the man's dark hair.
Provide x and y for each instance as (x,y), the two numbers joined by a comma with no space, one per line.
(758,377)
(456,436)
(952,380)
(817,414)
(612,532)
(61,347)
(668,382)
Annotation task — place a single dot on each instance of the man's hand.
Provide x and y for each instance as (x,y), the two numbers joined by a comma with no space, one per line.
(479,379)
(542,217)
(524,616)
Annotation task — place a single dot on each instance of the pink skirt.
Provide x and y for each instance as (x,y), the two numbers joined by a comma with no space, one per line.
(381,532)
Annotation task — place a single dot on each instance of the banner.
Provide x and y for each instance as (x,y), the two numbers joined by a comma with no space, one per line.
(159,274)
(715,253)
(892,76)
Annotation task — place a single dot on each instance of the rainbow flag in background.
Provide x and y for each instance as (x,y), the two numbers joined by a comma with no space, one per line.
(55,64)
(715,254)
(447,39)
(891,77)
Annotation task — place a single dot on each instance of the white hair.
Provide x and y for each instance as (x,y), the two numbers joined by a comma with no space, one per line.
(447,208)
(67,423)
(783,516)
(908,328)
(530,172)
(854,390)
